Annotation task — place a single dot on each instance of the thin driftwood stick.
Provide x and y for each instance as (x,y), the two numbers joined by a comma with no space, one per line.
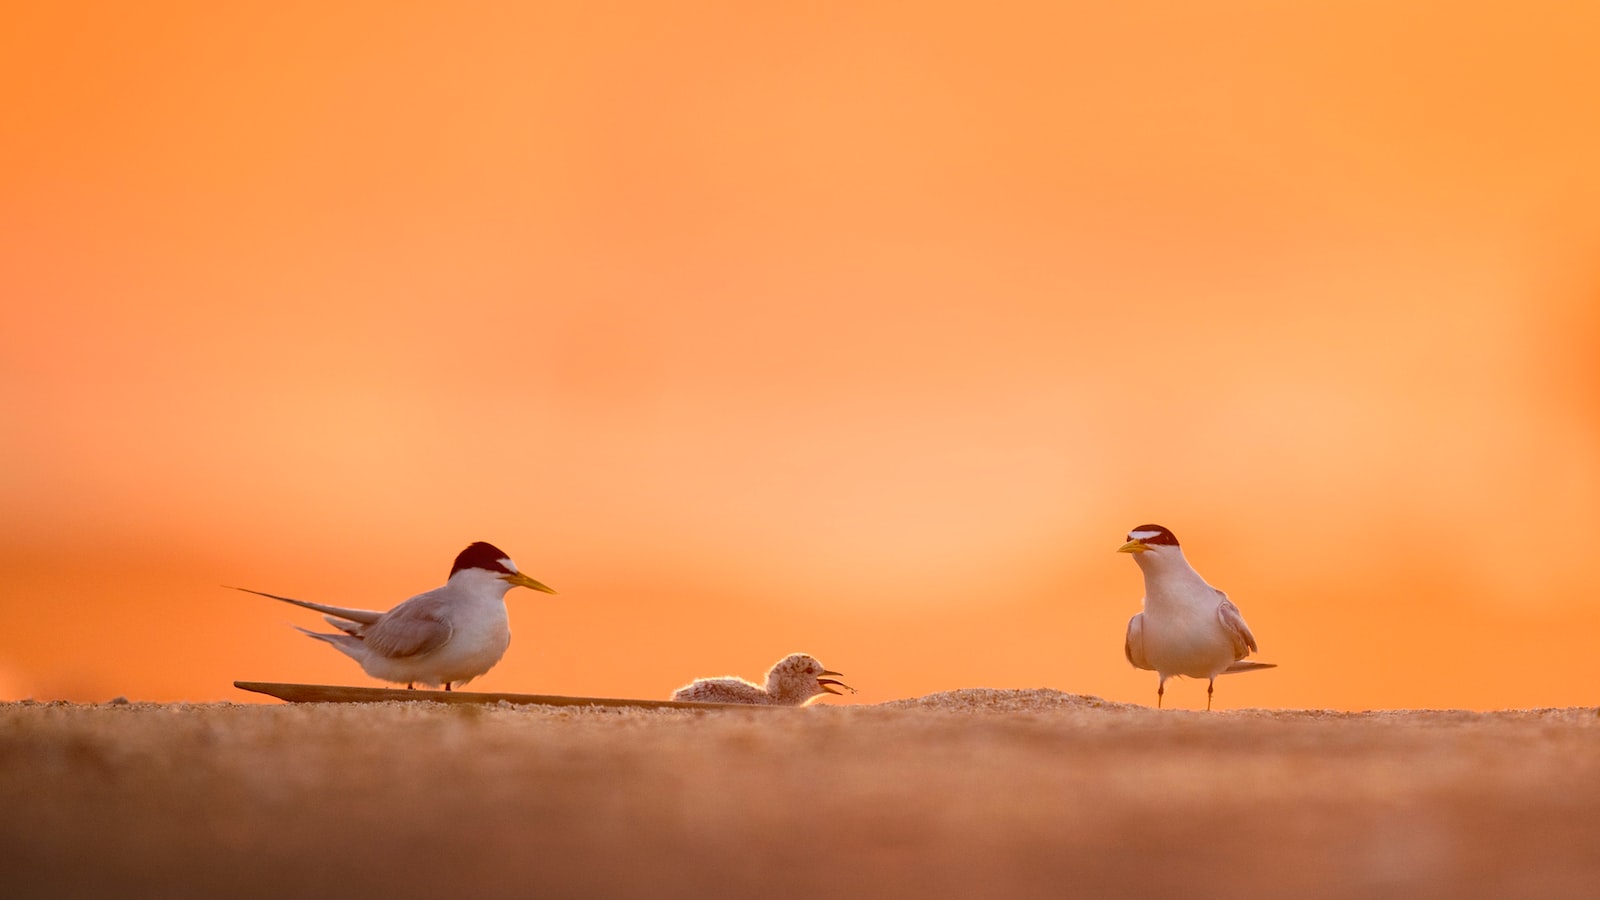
(331,693)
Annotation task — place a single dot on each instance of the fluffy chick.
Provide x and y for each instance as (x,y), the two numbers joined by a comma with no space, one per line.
(792,682)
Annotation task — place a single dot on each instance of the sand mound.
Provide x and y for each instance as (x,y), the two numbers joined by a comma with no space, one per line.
(1007,700)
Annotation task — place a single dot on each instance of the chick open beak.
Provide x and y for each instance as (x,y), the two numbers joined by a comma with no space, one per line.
(518,579)
(1133,547)
(829,683)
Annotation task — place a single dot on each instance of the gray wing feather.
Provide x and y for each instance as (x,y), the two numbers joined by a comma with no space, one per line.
(1133,644)
(413,628)
(1233,623)
(345,625)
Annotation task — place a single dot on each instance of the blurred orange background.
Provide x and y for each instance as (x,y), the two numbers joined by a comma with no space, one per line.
(863,329)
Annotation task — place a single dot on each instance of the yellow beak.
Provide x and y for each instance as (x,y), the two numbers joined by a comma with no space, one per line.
(1132,547)
(518,579)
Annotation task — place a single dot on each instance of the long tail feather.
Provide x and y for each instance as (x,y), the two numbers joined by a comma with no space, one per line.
(345,625)
(1247,666)
(364,616)
(347,644)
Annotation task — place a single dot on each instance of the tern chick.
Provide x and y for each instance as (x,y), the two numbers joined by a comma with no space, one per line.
(794,680)
(447,636)
(1188,627)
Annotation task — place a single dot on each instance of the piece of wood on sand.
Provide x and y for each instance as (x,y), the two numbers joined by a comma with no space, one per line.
(333,693)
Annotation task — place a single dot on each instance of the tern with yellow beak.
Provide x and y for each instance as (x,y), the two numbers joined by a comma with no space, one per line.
(1188,627)
(447,636)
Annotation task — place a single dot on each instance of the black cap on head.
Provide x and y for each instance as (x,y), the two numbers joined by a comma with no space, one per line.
(1153,534)
(481,556)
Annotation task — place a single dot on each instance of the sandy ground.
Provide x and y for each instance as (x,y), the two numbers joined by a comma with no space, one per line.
(980,793)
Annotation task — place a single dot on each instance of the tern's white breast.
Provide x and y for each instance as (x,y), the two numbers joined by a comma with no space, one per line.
(1182,633)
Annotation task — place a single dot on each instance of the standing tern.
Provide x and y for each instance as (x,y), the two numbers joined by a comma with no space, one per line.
(447,636)
(1188,627)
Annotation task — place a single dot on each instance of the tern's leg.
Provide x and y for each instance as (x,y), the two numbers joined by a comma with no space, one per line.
(447,685)
(1210,686)
(411,687)
(1161,688)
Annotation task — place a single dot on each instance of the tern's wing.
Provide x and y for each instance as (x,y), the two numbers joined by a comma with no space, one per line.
(1233,624)
(413,628)
(1133,644)
(364,616)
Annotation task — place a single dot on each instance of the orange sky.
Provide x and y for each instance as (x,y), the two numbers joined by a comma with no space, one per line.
(863,329)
